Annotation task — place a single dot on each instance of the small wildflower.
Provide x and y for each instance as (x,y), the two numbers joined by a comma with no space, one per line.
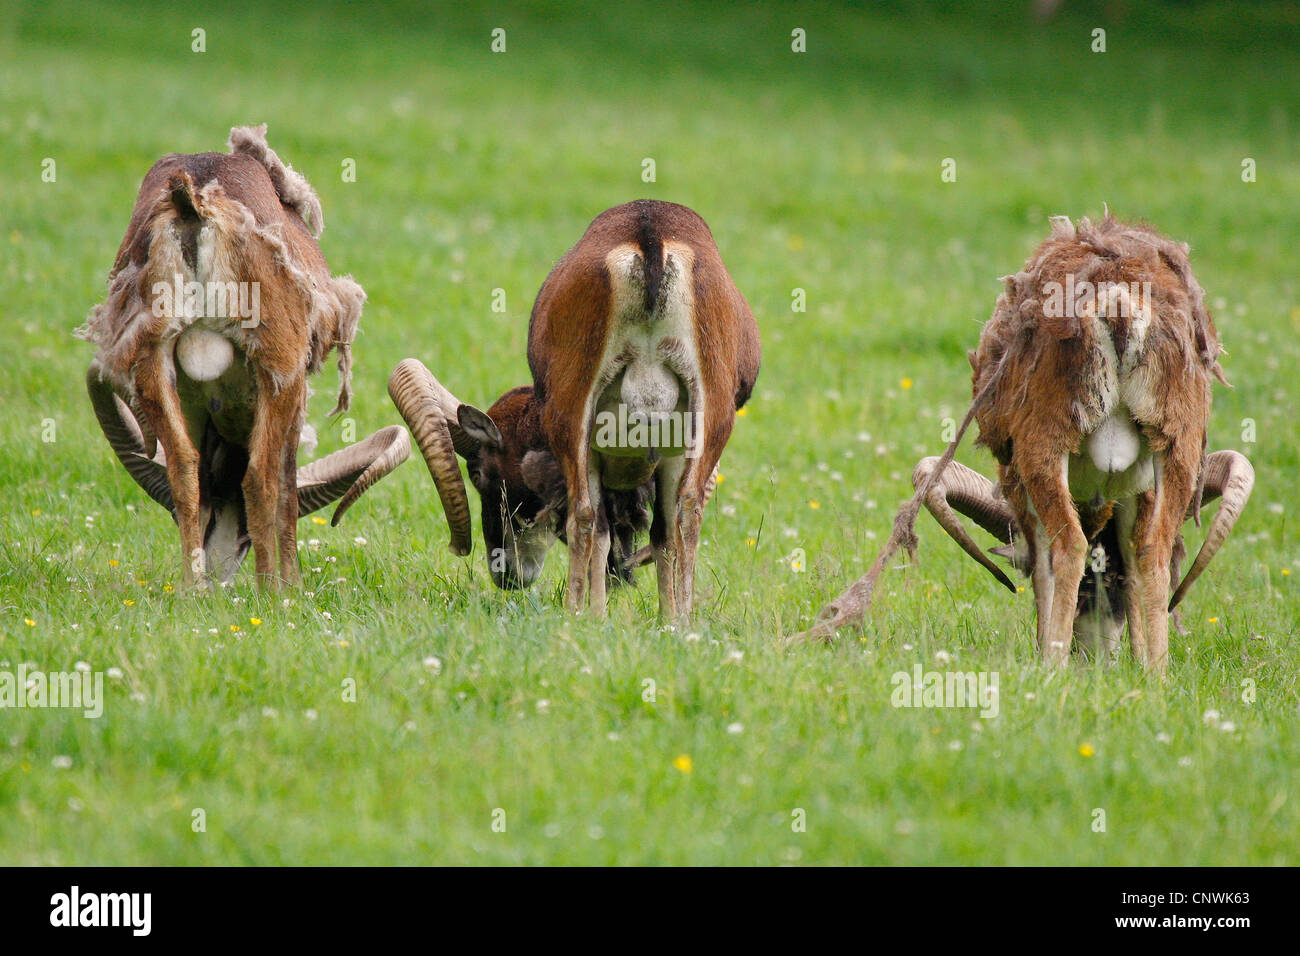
(359,541)
(167,589)
(29,622)
(814,505)
(310,714)
(1214,620)
(128,602)
(721,477)
(235,629)
(270,713)
(434,664)
(114,673)
(742,412)
(736,728)
(1227,726)
(1286,572)
(113,562)
(61,762)
(1210,718)
(1087,750)
(906,384)
(255,621)
(683,763)
(543,705)
(317,519)
(1163,738)
(751,542)
(81,667)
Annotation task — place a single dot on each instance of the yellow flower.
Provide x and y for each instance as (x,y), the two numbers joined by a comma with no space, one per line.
(750,541)
(317,519)
(1286,572)
(683,763)
(1214,620)
(742,412)
(113,562)
(36,512)
(814,505)
(906,383)
(129,603)
(1020,589)
(167,588)
(141,581)
(342,643)
(721,477)
(29,622)
(255,621)
(1086,750)
(234,628)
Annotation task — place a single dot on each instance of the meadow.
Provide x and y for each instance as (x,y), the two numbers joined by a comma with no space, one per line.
(398,708)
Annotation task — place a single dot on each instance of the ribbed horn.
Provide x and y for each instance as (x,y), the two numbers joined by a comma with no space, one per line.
(430,412)
(1230,477)
(973,495)
(126,438)
(350,472)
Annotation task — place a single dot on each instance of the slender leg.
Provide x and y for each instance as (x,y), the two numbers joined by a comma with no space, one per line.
(1126,517)
(1155,537)
(277,414)
(599,556)
(160,406)
(580,527)
(1050,495)
(288,507)
(663,534)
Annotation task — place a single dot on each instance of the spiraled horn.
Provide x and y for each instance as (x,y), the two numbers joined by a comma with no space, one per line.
(430,412)
(973,495)
(126,438)
(350,472)
(1229,476)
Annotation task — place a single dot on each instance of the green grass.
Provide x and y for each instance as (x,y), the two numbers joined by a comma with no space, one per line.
(477,171)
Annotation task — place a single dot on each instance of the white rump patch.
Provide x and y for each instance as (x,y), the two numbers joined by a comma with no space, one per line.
(1115,444)
(204,355)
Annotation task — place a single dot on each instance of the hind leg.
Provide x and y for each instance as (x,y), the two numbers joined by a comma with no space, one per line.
(160,405)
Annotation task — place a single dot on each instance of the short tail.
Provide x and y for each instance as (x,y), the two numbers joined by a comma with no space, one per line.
(652,250)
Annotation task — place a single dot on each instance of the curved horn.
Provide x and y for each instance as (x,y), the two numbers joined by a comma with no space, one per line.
(430,412)
(1228,476)
(126,438)
(973,495)
(350,472)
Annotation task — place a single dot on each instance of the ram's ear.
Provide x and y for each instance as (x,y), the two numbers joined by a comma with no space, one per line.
(542,474)
(478,426)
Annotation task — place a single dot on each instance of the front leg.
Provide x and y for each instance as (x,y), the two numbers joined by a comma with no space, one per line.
(1155,532)
(664,538)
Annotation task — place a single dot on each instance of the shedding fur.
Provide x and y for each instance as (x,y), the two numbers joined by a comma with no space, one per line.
(205,380)
(1095,408)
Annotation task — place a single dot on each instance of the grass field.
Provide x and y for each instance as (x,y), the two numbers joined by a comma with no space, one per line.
(818,171)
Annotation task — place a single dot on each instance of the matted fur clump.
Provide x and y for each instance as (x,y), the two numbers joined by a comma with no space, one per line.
(1030,333)
(244,217)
